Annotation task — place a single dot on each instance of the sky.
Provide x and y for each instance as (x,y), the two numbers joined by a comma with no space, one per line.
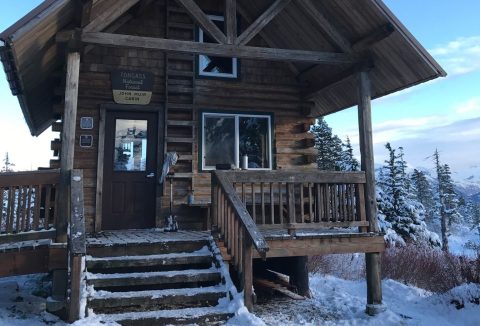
(443,114)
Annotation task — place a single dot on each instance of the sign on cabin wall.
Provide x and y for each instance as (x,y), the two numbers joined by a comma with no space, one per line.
(132,87)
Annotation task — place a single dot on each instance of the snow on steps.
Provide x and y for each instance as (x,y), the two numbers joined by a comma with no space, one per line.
(201,256)
(141,284)
(201,316)
(100,300)
(152,278)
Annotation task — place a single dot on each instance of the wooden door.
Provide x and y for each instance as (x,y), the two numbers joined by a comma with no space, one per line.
(129,172)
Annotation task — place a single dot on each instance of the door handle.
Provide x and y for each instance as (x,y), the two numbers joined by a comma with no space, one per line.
(150,175)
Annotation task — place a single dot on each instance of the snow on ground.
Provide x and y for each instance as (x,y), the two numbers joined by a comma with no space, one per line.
(459,237)
(335,302)
(340,302)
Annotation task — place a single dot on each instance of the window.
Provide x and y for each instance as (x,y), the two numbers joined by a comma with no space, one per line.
(211,66)
(226,138)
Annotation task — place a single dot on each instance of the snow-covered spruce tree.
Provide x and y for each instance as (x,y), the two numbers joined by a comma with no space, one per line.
(423,192)
(348,162)
(447,201)
(398,209)
(329,146)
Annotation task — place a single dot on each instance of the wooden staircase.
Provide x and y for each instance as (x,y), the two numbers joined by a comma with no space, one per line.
(172,281)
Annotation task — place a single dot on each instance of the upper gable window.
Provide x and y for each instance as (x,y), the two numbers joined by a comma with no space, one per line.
(210,66)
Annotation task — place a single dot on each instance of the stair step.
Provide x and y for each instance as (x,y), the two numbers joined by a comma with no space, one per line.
(132,249)
(102,301)
(162,317)
(202,256)
(153,278)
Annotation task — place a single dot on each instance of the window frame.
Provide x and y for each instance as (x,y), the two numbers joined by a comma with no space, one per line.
(237,116)
(235,75)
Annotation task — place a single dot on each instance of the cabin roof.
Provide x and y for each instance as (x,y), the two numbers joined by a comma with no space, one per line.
(31,56)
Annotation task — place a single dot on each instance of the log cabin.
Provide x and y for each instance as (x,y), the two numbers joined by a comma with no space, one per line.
(231,87)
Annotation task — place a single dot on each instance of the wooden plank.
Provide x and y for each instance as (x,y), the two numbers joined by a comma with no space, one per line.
(75,287)
(262,21)
(226,50)
(313,176)
(319,246)
(27,236)
(231,21)
(28,261)
(247,274)
(277,287)
(291,202)
(203,20)
(339,40)
(315,225)
(100,163)
(302,204)
(108,16)
(280,202)
(36,211)
(270,41)
(29,177)
(272,205)
(77,218)
(254,203)
(262,201)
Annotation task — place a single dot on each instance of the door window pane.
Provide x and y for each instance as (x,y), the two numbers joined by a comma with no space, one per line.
(130,145)
(219,138)
(254,141)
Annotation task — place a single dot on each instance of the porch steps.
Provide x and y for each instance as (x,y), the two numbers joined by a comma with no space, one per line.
(166,280)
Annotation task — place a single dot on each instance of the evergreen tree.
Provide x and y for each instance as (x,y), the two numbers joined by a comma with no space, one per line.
(397,207)
(329,146)
(348,161)
(447,199)
(7,164)
(422,190)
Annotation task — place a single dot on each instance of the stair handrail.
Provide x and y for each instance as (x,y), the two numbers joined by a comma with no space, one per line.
(254,234)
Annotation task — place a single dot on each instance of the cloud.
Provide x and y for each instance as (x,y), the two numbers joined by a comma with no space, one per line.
(470,106)
(460,56)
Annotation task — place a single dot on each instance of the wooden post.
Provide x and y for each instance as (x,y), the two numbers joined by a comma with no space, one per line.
(77,246)
(373,275)
(57,304)
(68,141)
(247,273)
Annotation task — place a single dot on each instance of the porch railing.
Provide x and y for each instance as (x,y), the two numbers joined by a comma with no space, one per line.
(28,208)
(238,230)
(293,200)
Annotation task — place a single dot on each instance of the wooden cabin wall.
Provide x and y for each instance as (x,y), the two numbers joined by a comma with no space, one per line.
(263,87)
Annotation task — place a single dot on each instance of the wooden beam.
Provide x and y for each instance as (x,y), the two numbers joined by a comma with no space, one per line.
(316,88)
(68,142)
(270,42)
(109,16)
(203,21)
(341,42)
(261,21)
(231,20)
(225,50)
(373,38)
(85,12)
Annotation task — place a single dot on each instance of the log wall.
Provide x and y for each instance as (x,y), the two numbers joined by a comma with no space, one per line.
(268,87)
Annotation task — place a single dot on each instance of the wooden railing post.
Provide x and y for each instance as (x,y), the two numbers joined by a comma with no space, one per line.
(76,246)
(247,273)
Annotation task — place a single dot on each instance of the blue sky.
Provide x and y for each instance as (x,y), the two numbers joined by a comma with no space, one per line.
(444,113)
